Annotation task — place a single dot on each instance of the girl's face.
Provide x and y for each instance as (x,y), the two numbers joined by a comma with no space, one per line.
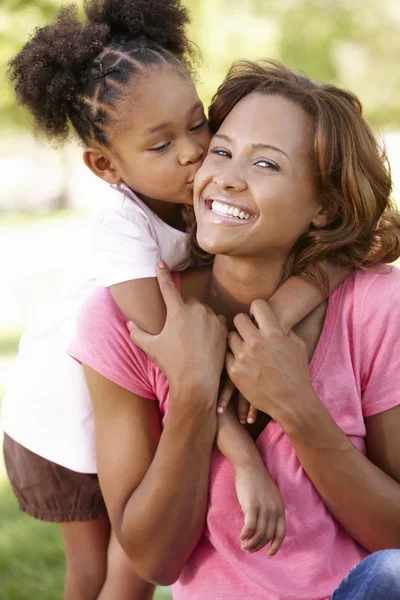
(256,194)
(159,150)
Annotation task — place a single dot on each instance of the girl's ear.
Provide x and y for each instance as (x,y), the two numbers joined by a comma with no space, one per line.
(101,164)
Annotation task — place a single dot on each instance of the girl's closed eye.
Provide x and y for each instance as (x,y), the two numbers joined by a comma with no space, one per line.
(160,148)
(199,126)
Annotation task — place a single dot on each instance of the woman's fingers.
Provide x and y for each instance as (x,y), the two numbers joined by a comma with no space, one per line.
(279,536)
(262,313)
(235,342)
(244,325)
(225,395)
(169,291)
(172,299)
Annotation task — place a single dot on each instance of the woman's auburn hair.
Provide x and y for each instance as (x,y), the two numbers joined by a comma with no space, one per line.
(353,173)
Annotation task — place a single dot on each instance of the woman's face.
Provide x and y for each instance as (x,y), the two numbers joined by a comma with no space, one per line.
(255,193)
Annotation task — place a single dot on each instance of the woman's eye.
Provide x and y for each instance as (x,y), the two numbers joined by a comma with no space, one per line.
(160,148)
(267,164)
(199,126)
(221,152)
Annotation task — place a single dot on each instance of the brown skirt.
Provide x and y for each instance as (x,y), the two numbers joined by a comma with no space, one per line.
(48,491)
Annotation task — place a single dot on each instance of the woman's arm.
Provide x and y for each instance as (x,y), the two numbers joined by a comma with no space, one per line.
(154,481)
(270,368)
(155,484)
(362,494)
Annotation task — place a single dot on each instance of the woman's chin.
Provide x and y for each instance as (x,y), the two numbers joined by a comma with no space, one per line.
(210,244)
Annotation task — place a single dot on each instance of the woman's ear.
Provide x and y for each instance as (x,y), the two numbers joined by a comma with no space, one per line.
(323,218)
(98,161)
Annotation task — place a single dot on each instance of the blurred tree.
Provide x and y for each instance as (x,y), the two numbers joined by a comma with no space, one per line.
(353,43)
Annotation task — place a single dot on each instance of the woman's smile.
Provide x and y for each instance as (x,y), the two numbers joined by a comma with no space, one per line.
(220,210)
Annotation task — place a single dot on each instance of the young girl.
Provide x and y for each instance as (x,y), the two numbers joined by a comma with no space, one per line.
(122,82)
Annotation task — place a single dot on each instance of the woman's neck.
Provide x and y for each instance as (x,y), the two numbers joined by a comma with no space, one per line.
(235,283)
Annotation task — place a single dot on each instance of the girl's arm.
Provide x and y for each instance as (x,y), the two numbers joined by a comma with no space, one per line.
(297,297)
(258,495)
(154,481)
(141,302)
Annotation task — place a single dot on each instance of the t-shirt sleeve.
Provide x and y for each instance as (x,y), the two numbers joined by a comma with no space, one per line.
(102,343)
(123,247)
(380,344)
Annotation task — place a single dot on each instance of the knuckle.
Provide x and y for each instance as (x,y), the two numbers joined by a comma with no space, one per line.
(301,343)
(241,356)
(277,334)
(255,343)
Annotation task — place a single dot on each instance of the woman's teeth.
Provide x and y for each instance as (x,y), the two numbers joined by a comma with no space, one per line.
(231,211)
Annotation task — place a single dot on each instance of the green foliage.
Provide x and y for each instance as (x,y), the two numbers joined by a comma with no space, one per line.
(343,41)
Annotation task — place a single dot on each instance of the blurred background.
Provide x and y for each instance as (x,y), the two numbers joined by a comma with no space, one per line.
(46,194)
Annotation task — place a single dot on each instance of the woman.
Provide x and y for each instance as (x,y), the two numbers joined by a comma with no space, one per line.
(298,160)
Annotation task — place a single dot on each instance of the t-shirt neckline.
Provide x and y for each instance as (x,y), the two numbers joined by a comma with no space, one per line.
(328,329)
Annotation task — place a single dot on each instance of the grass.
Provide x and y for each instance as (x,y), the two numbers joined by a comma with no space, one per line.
(31,554)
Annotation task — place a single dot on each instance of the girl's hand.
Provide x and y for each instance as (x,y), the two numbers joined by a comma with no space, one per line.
(268,366)
(247,413)
(263,509)
(191,348)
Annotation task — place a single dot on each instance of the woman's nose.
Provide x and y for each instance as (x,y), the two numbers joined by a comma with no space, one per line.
(230,177)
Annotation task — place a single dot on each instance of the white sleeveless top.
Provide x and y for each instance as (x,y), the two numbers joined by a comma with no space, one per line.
(47,407)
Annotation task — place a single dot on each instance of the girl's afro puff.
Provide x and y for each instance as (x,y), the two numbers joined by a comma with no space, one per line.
(50,73)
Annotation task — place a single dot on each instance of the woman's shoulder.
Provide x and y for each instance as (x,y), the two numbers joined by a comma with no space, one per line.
(374,292)
(376,336)
(102,343)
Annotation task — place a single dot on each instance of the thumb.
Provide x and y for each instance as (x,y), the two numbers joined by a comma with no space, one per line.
(169,291)
(140,337)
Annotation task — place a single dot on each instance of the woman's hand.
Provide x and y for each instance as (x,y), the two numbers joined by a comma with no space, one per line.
(191,348)
(267,366)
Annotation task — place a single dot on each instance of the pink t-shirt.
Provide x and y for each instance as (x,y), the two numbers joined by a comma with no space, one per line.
(355,371)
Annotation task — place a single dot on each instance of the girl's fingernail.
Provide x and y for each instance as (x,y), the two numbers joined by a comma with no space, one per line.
(161,264)
(220,410)
(242,422)
(128,325)
(250,420)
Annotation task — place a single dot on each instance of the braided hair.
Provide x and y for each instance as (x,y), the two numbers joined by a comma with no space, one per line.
(73,73)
